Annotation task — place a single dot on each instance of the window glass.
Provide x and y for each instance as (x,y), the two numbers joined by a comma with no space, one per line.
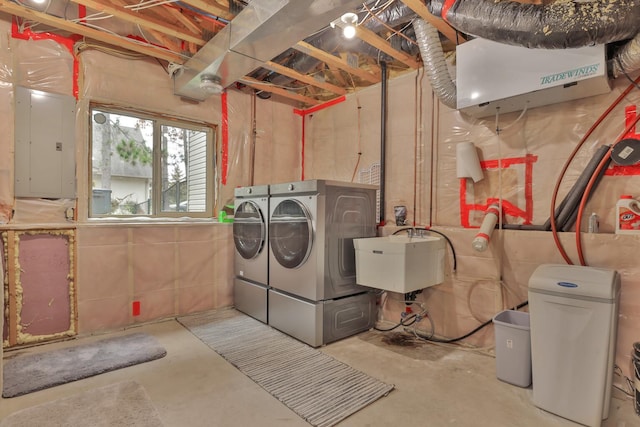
(147,166)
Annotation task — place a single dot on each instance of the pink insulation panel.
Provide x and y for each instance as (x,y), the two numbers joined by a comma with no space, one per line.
(44,277)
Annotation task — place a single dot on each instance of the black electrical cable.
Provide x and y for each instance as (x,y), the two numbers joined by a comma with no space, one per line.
(450,340)
(453,251)
(402,323)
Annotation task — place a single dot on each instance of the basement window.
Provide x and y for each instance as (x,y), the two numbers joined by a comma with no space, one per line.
(149,165)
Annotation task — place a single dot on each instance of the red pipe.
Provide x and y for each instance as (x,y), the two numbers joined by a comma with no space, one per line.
(587,190)
(225,137)
(554,195)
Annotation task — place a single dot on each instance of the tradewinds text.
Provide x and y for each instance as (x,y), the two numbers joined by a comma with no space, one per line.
(585,71)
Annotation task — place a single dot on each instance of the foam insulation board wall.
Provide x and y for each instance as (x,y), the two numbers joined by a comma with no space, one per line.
(40,285)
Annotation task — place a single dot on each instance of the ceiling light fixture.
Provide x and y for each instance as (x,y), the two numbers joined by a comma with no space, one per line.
(211,84)
(350,20)
(39,5)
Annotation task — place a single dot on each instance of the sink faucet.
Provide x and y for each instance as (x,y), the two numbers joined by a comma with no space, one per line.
(412,231)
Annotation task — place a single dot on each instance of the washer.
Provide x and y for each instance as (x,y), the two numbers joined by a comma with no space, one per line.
(251,259)
(312,225)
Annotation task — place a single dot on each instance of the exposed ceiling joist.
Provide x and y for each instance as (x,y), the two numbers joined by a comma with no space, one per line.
(285,71)
(185,20)
(336,62)
(257,84)
(449,32)
(181,32)
(212,7)
(30,14)
(146,22)
(381,44)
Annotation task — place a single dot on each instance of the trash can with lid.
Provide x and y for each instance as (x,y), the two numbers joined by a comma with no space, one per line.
(574,312)
(513,347)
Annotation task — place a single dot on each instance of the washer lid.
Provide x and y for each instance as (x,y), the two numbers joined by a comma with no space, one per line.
(574,281)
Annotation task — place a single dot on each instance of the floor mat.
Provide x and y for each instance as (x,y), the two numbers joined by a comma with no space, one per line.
(319,388)
(122,404)
(32,372)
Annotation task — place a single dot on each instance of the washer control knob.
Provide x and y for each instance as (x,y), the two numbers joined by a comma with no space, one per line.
(249,190)
(291,187)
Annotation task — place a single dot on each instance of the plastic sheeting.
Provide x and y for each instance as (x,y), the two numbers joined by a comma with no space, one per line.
(48,65)
(43,65)
(521,154)
(170,267)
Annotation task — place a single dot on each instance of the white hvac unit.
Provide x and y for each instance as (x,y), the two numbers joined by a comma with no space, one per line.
(491,75)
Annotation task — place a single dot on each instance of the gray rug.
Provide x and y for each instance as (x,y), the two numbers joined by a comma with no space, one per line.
(123,404)
(319,388)
(29,373)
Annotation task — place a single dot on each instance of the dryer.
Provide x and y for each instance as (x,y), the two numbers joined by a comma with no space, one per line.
(313,293)
(251,258)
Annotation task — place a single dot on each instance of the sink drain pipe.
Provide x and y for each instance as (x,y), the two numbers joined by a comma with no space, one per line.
(383,138)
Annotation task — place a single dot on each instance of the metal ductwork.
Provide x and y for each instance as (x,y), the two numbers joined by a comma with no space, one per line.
(256,35)
(558,25)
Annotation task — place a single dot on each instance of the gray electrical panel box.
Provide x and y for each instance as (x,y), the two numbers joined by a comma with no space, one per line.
(44,144)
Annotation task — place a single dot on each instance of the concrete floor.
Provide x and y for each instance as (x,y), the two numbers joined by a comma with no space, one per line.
(434,386)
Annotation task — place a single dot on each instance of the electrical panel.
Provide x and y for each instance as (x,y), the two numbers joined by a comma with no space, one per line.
(44,144)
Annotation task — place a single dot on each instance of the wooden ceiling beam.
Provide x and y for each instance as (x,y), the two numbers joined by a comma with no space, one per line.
(212,7)
(334,61)
(144,21)
(421,9)
(337,74)
(166,41)
(30,14)
(369,37)
(257,84)
(285,71)
(189,23)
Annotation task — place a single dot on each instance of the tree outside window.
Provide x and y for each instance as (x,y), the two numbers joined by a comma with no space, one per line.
(147,166)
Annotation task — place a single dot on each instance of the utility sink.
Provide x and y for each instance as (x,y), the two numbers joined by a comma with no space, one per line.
(400,263)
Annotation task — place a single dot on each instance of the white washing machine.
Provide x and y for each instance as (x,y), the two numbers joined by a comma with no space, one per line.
(312,225)
(251,258)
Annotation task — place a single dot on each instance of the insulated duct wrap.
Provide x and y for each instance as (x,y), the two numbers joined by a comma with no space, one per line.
(559,25)
(627,59)
(434,63)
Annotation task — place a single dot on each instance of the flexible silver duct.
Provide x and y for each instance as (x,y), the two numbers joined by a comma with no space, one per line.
(627,58)
(435,65)
(558,25)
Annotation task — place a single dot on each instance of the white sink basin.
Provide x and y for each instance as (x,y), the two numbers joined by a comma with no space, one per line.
(400,263)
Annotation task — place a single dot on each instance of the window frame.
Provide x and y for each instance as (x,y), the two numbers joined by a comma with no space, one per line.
(158,120)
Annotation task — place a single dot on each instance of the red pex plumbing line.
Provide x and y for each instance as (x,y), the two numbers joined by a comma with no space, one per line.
(590,185)
(225,137)
(554,196)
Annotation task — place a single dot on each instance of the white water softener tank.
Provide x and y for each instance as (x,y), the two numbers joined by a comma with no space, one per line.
(573,314)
